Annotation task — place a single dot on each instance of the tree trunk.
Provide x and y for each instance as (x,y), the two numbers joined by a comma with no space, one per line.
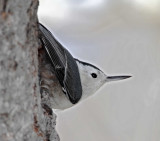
(23,117)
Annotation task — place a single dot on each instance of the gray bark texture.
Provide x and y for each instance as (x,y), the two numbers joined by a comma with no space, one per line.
(25,114)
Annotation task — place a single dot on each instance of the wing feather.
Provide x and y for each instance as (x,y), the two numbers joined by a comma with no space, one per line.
(64,65)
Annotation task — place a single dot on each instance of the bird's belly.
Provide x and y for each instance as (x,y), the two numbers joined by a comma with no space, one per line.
(59,100)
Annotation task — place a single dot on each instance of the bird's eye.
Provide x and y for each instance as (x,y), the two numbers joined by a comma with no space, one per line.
(94,75)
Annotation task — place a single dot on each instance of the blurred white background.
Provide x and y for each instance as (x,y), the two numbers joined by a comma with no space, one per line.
(120,37)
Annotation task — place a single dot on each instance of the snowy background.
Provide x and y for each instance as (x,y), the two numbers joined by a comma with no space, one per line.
(120,37)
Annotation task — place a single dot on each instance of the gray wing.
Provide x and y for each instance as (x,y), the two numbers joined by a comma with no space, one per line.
(64,65)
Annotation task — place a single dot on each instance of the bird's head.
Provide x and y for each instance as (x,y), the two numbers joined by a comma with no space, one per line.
(92,78)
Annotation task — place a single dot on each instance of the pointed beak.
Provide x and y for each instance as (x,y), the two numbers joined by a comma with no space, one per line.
(115,78)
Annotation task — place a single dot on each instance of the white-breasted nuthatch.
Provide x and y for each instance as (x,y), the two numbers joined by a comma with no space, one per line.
(78,80)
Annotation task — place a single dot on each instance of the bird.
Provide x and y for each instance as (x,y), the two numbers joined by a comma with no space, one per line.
(77,79)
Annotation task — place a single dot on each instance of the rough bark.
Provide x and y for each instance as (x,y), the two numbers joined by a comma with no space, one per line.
(24,116)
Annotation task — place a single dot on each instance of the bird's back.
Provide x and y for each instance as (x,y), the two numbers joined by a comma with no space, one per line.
(64,65)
